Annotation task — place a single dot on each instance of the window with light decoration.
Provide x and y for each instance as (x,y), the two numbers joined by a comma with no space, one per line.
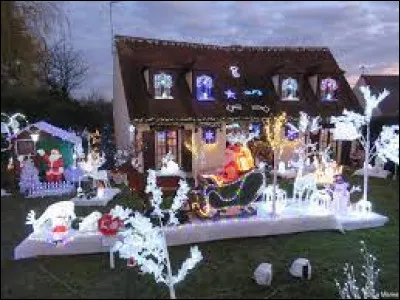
(204,88)
(163,86)
(209,135)
(328,88)
(290,90)
(166,141)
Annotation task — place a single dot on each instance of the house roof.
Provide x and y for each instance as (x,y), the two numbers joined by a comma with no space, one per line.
(257,67)
(377,83)
(52,130)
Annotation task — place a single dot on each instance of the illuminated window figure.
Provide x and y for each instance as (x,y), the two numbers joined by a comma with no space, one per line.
(204,86)
(209,135)
(163,86)
(290,89)
(256,129)
(328,89)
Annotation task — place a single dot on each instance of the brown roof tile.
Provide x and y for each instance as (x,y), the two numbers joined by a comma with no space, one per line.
(257,66)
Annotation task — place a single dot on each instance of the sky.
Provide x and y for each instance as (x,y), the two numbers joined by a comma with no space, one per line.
(358,33)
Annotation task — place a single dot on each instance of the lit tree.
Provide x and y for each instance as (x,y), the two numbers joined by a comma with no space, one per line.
(147,244)
(274,129)
(350,288)
(351,127)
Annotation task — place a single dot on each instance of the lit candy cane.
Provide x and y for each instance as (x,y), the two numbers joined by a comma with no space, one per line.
(235,71)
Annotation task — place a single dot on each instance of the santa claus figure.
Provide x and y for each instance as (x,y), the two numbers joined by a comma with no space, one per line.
(55,164)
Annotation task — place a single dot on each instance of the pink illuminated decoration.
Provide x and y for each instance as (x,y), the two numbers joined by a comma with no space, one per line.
(328,89)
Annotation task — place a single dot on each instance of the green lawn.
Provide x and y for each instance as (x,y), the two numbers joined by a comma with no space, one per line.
(225,272)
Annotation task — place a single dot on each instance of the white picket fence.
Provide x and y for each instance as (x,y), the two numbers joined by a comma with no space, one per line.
(45,189)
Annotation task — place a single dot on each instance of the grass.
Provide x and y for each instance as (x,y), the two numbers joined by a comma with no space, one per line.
(225,272)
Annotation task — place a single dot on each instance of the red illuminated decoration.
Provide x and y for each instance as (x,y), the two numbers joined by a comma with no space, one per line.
(109,225)
(238,161)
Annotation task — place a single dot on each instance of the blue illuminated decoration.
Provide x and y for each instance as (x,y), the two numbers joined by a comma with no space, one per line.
(230,94)
(253,92)
(204,86)
(256,129)
(289,90)
(291,132)
(209,135)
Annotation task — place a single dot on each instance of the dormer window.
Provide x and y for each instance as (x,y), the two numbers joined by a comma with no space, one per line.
(290,90)
(163,86)
(328,89)
(204,88)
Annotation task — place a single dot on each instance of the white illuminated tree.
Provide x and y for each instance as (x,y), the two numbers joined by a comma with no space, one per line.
(350,126)
(351,289)
(146,243)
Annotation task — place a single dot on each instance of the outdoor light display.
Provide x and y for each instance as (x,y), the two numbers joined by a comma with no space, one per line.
(204,84)
(230,95)
(209,135)
(290,89)
(234,71)
(291,132)
(328,89)
(163,86)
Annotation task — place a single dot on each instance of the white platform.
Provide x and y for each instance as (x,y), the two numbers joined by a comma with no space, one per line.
(293,220)
(109,194)
(373,172)
(4,193)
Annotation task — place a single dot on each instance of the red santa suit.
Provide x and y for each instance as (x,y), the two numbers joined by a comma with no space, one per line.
(55,166)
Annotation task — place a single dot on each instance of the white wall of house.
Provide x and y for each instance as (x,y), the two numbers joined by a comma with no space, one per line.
(213,153)
(120,109)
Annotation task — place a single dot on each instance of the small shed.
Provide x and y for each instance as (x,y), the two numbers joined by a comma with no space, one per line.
(42,135)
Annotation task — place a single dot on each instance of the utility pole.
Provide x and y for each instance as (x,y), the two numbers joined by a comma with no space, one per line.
(112,27)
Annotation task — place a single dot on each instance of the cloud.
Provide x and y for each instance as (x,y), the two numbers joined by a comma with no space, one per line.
(358,33)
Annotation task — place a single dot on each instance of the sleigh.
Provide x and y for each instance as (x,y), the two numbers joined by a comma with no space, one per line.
(229,200)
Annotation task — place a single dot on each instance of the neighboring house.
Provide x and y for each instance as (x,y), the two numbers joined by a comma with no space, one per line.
(387,113)
(181,96)
(388,109)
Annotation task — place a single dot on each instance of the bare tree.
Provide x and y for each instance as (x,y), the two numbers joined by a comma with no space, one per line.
(64,68)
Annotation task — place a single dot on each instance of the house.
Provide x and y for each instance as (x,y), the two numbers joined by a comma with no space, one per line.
(184,98)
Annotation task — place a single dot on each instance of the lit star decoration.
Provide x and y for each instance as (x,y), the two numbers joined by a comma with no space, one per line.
(234,71)
(230,94)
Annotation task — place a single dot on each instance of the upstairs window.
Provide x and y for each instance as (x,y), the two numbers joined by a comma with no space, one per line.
(204,88)
(162,86)
(328,89)
(290,90)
